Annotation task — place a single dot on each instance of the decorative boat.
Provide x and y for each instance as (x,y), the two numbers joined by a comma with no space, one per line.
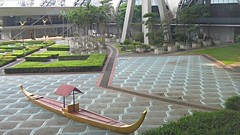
(81,115)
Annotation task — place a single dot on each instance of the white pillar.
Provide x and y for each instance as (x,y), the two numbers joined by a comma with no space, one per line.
(128,18)
(146,8)
(162,9)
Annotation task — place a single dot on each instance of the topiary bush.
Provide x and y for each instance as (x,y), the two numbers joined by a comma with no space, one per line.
(233,103)
(37,58)
(57,47)
(222,122)
(127,41)
(238,39)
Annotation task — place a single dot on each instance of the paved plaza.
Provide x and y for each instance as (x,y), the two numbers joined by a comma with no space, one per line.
(193,79)
(184,78)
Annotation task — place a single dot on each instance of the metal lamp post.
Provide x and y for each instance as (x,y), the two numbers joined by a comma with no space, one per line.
(44,23)
(22,23)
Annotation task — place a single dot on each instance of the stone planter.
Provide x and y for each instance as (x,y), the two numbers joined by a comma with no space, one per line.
(159,50)
(118,40)
(107,40)
(217,42)
(182,47)
(172,48)
(196,45)
(207,42)
(188,47)
(140,49)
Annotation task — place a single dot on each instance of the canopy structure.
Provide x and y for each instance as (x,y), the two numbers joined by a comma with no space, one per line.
(65,90)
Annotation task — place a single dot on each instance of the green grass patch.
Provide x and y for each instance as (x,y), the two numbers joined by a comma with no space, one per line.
(227,54)
(222,122)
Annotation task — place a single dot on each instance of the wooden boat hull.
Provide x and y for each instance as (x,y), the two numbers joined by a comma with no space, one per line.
(85,116)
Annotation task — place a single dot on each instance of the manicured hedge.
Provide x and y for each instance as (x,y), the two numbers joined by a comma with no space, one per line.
(222,122)
(58,48)
(53,69)
(95,62)
(60,53)
(13,47)
(51,55)
(7,43)
(37,58)
(233,103)
(48,43)
(73,57)
(5,50)
(22,53)
(34,42)
(4,60)
(8,57)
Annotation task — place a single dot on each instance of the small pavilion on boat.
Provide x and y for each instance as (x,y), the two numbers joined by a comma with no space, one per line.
(65,90)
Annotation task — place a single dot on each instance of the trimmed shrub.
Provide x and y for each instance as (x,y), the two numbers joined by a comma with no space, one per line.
(21,53)
(95,62)
(233,103)
(4,60)
(139,37)
(127,41)
(51,55)
(48,43)
(13,47)
(53,69)
(58,48)
(8,58)
(37,58)
(73,57)
(34,42)
(224,122)
(7,42)
(238,39)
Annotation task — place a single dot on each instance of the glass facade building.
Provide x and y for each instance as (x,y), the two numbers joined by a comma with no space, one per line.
(223,22)
(223,1)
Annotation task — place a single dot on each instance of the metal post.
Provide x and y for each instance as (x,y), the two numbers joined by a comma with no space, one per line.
(44,23)
(73,102)
(63,25)
(22,23)
(64,102)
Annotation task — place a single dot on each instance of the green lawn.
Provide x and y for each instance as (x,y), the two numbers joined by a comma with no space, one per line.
(227,54)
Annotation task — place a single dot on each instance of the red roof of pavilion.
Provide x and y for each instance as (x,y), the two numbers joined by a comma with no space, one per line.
(65,90)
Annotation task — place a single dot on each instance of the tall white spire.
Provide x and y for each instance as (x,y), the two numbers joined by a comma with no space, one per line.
(146,8)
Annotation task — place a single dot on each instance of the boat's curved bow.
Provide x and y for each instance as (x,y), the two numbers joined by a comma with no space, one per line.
(78,115)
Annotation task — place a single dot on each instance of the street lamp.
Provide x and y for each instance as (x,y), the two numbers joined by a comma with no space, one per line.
(22,23)
(44,22)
